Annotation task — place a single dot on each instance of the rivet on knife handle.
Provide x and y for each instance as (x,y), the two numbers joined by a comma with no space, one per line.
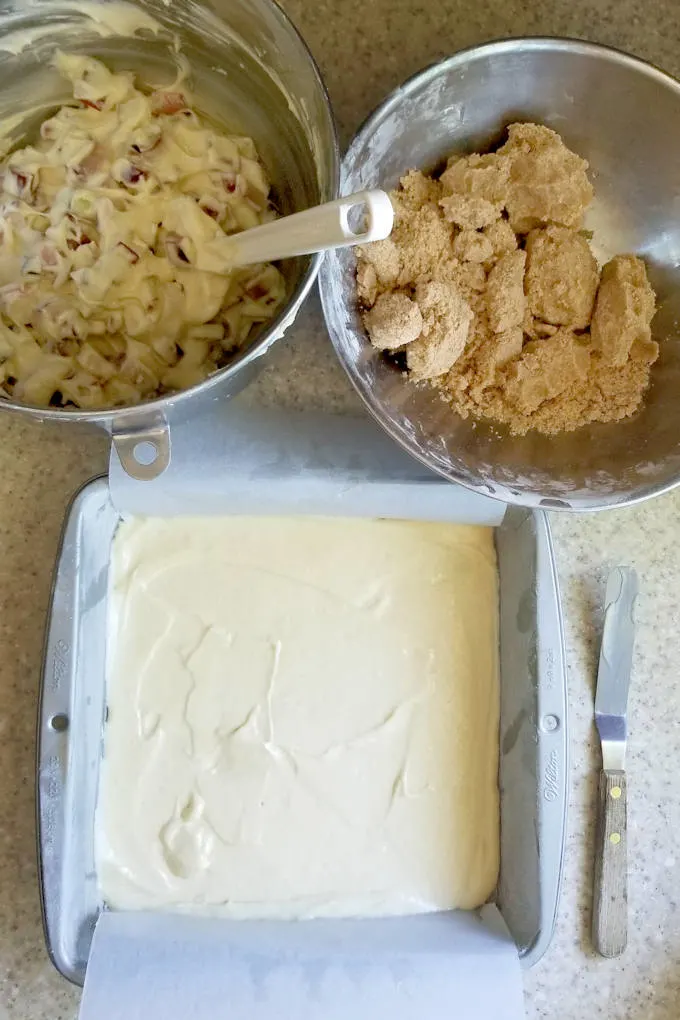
(610,904)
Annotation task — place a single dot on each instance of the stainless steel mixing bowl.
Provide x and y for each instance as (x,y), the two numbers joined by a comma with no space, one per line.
(250,72)
(624,116)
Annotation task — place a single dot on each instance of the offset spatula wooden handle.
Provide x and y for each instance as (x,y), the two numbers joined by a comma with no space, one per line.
(610,904)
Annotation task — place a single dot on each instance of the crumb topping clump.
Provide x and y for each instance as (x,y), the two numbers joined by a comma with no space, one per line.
(489,287)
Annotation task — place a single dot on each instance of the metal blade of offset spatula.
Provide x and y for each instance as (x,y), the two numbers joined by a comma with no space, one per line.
(616,657)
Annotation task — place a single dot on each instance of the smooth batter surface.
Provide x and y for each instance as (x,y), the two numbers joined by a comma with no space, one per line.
(303,717)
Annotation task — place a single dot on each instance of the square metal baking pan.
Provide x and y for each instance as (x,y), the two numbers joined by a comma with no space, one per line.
(533,731)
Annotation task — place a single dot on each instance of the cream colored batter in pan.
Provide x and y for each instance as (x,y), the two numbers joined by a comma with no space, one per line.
(302,718)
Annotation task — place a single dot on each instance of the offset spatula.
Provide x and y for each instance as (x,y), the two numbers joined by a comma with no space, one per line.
(610,906)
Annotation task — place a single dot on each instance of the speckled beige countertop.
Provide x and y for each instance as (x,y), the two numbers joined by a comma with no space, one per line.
(365,48)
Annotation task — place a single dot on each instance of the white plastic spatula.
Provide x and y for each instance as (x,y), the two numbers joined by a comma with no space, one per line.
(318,229)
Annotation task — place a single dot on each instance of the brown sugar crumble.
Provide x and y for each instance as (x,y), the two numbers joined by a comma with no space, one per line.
(490,289)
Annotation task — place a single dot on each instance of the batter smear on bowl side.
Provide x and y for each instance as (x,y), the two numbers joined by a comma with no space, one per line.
(489,289)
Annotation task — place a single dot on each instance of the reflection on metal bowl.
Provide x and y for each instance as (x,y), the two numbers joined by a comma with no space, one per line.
(600,101)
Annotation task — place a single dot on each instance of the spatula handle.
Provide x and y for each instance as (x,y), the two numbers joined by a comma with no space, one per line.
(610,901)
(318,229)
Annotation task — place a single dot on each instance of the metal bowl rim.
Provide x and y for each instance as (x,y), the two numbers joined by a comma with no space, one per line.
(563,44)
(153,409)
(505,44)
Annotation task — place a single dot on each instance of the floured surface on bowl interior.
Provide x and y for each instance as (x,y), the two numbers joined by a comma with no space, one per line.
(464,105)
(249,74)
